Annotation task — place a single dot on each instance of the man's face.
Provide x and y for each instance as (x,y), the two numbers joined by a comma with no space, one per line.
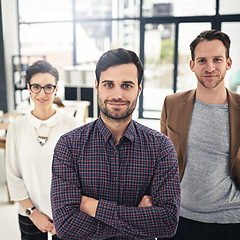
(210,63)
(118,91)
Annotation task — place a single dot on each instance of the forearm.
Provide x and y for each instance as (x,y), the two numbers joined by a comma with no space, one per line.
(26,203)
(69,221)
(145,222)
(89,205)
(157,221)
(110,219)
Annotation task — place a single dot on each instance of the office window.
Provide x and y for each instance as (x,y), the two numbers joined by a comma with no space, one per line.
(74,33)
(161,8)
(158,66)
(233,75)
(45,10)
(54,40)
(107,9)
(187,32)
(229,7)
(101,36)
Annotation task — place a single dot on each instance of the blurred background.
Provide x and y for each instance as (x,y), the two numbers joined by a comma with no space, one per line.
(73,34)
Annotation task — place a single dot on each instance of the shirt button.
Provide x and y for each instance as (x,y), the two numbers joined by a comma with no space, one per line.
(115,179)
(115,152)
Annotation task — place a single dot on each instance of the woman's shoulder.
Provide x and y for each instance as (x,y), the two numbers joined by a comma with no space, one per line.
(67,120)
(19,121)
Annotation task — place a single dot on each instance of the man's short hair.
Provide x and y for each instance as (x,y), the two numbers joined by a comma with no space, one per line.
(209,36)
(117,57)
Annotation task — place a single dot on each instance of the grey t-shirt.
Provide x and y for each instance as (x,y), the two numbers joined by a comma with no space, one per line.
(208,193)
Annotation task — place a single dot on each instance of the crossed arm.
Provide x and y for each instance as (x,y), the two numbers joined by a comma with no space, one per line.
(89,205)
(77,215)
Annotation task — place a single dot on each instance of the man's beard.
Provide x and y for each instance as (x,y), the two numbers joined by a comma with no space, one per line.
(115,116)
(217,83)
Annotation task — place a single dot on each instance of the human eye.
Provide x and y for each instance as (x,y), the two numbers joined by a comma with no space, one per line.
(108,85)
(217,59)
(201,61)
(49,87)
(35,87)
(126,86)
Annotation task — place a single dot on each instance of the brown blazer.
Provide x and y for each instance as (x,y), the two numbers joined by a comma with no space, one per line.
(175,121)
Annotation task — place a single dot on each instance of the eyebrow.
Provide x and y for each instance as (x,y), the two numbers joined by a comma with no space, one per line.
(220,56)
(124,82)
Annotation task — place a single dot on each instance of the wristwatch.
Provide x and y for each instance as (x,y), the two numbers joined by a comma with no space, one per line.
(29,211)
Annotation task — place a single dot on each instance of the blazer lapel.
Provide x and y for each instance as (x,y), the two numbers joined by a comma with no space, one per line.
(234,118)
(185,118)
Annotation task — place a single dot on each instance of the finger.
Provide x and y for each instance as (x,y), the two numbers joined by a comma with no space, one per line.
(53,232)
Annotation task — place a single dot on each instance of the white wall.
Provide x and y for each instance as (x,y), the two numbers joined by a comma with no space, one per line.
(10,38)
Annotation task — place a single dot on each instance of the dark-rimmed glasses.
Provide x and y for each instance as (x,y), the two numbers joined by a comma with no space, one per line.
(48,89)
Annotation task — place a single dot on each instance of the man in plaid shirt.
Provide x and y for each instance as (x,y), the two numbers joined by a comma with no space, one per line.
(115,178)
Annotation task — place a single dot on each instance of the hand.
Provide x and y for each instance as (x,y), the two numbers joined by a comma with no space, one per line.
(42,221)
(53,232)
(88,205)
(146,201)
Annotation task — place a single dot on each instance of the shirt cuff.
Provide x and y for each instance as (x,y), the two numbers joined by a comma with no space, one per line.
(106,211)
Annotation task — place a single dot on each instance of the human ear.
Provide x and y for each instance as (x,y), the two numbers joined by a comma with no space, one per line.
(139,88)
(229,63)
(191,64)
(96,85)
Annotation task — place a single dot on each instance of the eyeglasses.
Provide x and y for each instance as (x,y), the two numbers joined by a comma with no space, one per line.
(48,89)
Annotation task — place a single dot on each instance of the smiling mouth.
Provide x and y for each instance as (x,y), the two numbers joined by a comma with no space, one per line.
(42,100)
(210,76)
(116,104)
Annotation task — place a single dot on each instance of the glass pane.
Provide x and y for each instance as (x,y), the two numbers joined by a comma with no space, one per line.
(53,40)
(229,7)
(95,38)
(44,10)
(102,36)
(107,8)
(157,8)
(187,33)
(233,75)
(159,66)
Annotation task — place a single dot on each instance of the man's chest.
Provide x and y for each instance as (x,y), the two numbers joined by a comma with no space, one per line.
(122,176)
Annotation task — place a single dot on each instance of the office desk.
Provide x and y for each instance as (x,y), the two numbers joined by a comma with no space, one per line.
(3,142)
(3,126)
(4,122)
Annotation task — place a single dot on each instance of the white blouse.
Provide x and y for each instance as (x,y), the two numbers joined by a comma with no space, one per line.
(28,164)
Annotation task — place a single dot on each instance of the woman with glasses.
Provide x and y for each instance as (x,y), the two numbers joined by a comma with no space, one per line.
(29,148)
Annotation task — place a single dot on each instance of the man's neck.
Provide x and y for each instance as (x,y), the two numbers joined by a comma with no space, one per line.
(116,127)
(212,96)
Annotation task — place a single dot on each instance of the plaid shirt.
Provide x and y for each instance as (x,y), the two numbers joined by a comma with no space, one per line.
(143,163)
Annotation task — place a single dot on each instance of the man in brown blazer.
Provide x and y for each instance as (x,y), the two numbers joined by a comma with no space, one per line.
(204,126)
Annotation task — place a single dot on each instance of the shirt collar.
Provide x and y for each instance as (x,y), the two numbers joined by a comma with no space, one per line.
(35,122)
(129,133)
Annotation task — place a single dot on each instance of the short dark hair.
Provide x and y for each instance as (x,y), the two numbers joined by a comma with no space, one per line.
(41,66)
(117,57)
(209,36)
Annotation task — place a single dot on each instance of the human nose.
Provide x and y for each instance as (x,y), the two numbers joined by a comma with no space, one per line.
(42,91)
(118,93)
(210,66)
